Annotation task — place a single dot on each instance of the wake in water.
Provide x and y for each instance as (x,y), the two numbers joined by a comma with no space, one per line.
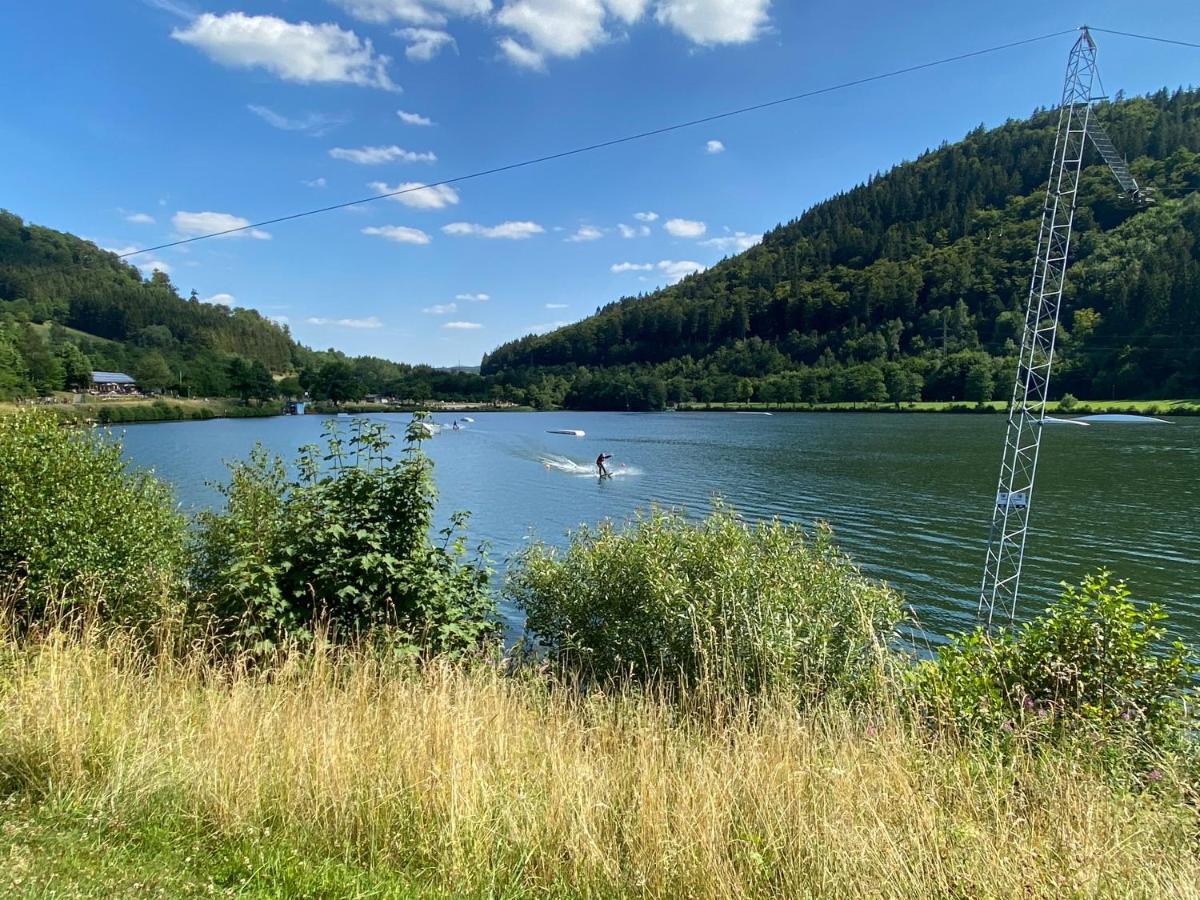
(570,467)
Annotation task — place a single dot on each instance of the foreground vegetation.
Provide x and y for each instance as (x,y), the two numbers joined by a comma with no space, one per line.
(305,695)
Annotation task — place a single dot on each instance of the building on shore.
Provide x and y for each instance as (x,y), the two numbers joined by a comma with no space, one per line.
(113,383)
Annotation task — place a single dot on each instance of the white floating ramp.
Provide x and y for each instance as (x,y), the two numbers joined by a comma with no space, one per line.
(573,432)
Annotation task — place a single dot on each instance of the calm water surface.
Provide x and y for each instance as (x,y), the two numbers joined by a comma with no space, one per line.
(908,496)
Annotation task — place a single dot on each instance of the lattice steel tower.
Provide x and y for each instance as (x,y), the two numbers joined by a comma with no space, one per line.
(1026,412)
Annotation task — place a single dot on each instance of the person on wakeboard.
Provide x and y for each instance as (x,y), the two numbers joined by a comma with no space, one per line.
(603,472)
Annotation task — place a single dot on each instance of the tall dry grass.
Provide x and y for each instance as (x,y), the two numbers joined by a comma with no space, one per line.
(480,783)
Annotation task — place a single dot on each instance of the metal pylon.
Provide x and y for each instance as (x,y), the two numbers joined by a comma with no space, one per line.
(1026,412)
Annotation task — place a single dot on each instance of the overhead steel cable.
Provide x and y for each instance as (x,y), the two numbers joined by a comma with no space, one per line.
(641,135)
(1146,37)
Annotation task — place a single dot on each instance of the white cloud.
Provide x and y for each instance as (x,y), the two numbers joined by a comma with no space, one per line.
(194,224)
(372,156)
(279,320)
(673,269)
(676,269)
(739,241)
(633,231)
(522,56)
(401,234)
(646,216)
(560,28)
(441,309)
(418,195)
(474,298)
(462,326)
(425,43)
(181,10)
(418,12)
(149,266)
(515,231)
(220,299)
(139,218)
(314,124)
(556,306)
(300,52)
(367,323)
(684,228)
(715,21)
(546,326)
(714,147)
(585,233)
(410,118)
(315,183)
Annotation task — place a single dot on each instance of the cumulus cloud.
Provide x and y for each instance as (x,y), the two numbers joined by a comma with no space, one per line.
(441,309)
(462,326)
(139,218)
(279,320)
(220,299)
(586,233)
(418,195)
(425,43)
(313,124)
(294,51)
(368,323)
(646,216)
(411,118)
(554,28)
(633,231)
(401,234)
(373,156)
(150,266)
(474,298)
(738,241)
(628,11)
(684,228)
(714,147)
(513,231)
(418,12)
(194,224)
(715,21)
(676,269)
(672,268)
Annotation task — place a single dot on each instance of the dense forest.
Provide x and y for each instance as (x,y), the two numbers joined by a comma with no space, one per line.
(913,286)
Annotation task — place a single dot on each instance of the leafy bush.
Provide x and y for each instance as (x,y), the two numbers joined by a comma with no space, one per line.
(1093,659)
(1068,402)
(346,546)
(77,523)
(751,607)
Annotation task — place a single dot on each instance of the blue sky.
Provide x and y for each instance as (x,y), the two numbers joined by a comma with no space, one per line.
(135,122)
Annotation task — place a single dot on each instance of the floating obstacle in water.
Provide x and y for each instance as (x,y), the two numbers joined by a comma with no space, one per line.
(573,432)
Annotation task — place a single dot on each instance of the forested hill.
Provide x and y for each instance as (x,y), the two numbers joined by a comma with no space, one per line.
(67,307)
(116,319)
(914,284)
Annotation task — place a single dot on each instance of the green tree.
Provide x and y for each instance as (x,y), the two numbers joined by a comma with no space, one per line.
(152,372)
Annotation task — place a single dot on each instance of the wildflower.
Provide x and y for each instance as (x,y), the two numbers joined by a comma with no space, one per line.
(1154,775)
(1007,727)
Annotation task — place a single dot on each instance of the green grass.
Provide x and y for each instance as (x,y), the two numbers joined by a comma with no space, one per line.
(64,851)
(1188,407)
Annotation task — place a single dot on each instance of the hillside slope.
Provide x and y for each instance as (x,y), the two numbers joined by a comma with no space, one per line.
(914,284)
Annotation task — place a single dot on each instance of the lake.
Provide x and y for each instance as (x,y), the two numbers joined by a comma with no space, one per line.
(909,496)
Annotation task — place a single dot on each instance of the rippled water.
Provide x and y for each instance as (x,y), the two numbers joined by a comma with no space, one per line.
(909,496)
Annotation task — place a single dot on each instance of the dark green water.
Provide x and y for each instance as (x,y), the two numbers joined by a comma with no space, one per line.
(909,496)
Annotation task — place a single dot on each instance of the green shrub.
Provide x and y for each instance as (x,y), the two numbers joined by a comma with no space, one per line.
(1093,662)
(345,546)
(748,607)
(1068,402)
(76,523)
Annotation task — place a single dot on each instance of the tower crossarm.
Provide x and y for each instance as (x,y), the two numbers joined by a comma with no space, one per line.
(1116,162)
